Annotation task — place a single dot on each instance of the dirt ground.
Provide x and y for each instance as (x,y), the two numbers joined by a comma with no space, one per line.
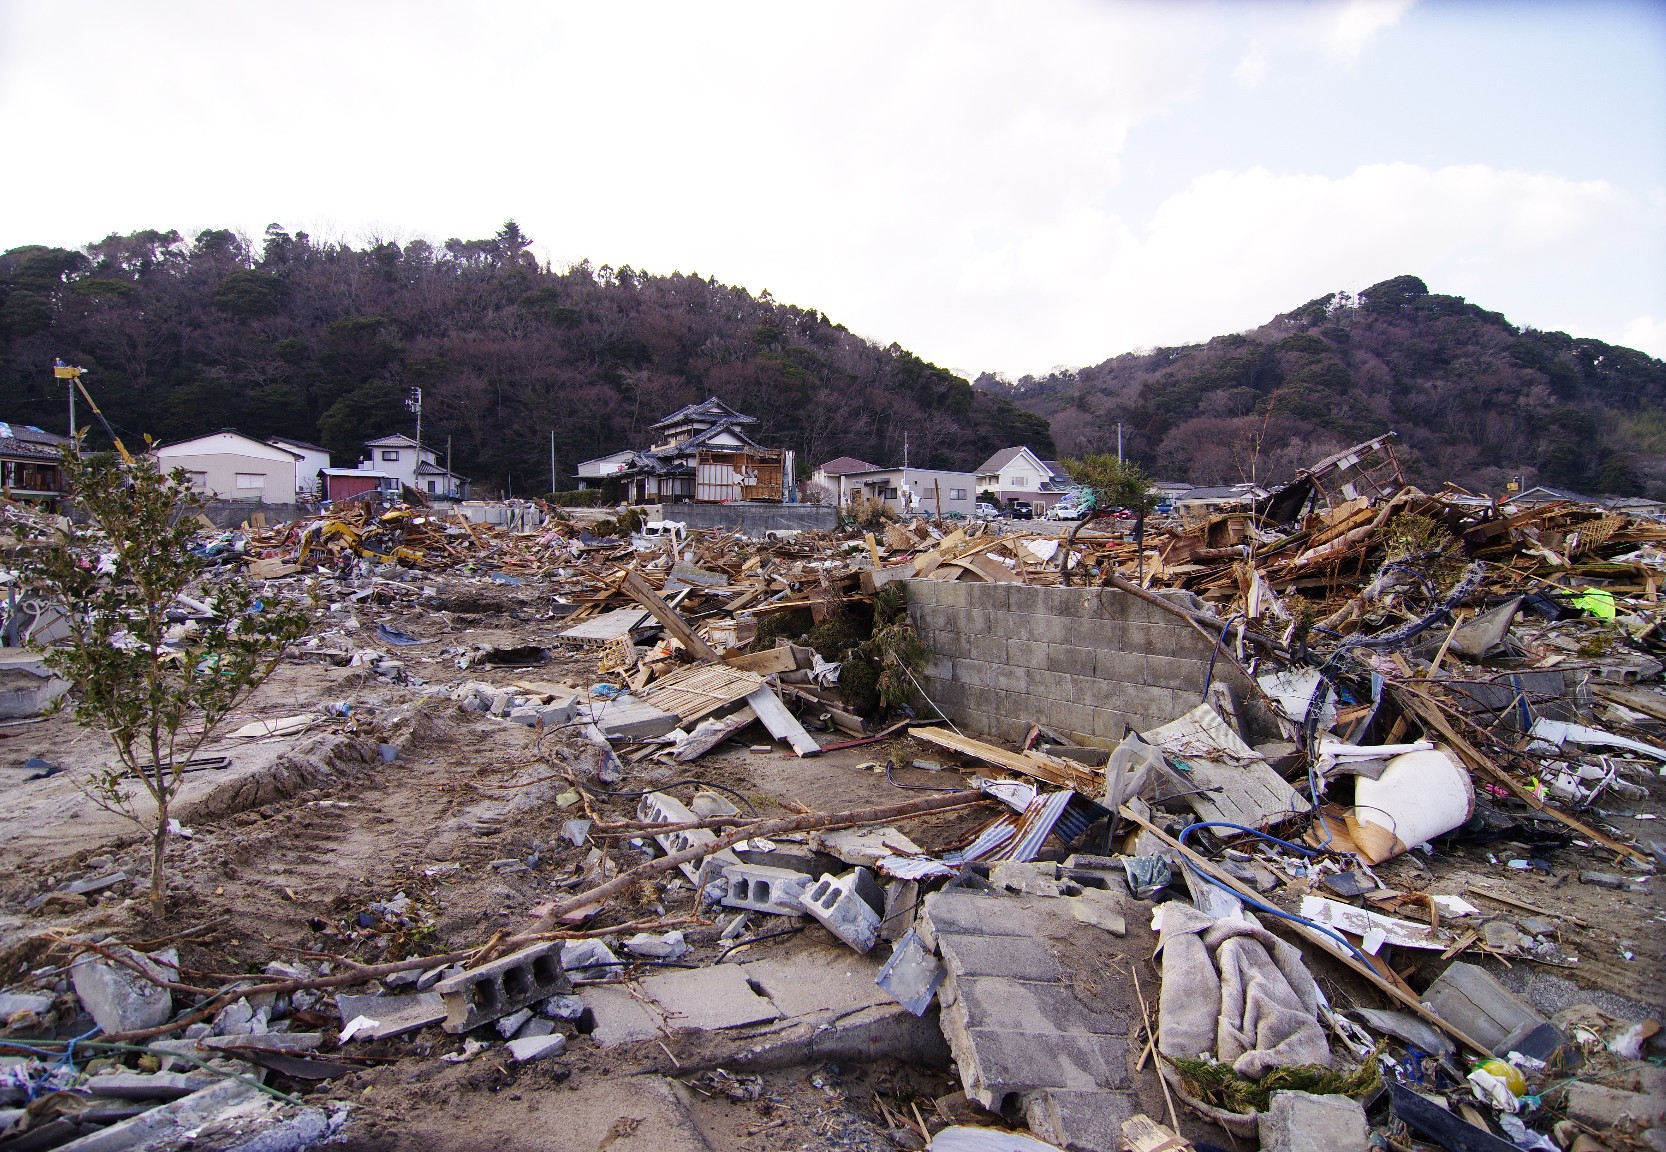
(293,844)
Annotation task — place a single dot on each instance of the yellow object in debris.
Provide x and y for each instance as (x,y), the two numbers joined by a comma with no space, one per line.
(1507,1072)
(1597,601)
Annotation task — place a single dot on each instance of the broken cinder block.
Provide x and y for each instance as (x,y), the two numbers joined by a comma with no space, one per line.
(515,981)
(760,888)
(835,902)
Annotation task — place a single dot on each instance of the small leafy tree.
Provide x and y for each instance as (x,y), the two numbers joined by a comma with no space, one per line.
(157,684)
(1115,484)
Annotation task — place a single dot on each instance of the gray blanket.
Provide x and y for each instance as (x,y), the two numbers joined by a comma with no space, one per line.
(1233,990)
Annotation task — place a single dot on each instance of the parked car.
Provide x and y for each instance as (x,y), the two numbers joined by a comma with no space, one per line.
(1021,510)
(985,511)
(1069,510)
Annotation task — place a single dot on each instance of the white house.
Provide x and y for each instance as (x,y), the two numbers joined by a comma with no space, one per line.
(313,460)
(912,491)
(230,466)
(1019,474)
(591,473)
(397,456)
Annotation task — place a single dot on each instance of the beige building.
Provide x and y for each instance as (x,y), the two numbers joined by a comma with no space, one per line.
(230,466)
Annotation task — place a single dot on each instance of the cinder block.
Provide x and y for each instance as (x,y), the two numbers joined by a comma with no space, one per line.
(760,888)
(945,593)
(1167,672)
(938,667)
(1026,653)
(992,597)
(975,673)
(834,902)
(661,808)
(1013,678)
(974,622)
(949,645)
(1072,660)
(503,986)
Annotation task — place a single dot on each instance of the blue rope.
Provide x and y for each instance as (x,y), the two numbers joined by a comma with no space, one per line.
(1261,905)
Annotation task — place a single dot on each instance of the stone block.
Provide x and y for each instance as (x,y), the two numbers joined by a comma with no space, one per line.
(975,673)
(505,985)
(1015,957)
(834,902)
(627,719)
(760,888)
(394,1015)
(11,1003)
(987,647)
(619,1017)
(524,1048)
(120,1000)
(975,622)
(963,912)
(990,1002)
(995,1063)
(1080,1121)
(943,593)
(1303,1122)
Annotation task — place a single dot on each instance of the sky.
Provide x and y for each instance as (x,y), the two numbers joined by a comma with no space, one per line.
(997,187)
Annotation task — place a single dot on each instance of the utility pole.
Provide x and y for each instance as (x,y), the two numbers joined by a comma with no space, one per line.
(1119,441)
(413,402)
(67,374)
(450,480)
(552,461)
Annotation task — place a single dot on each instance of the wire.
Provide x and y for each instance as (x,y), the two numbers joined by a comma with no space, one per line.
(1262,905)
(757,939)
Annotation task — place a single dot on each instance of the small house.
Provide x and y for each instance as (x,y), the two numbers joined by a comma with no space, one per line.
(913,491)
(30,463)
(705,454)
(311,460)
(228,465)
(1020,474)
(400,457)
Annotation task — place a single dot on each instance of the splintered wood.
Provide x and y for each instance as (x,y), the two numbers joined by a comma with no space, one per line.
(699,689)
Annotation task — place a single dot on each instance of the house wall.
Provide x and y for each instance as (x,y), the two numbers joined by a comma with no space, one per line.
(346,487)
(219,471)
(923,483)
(307,469)
(1086,662)
(754,518)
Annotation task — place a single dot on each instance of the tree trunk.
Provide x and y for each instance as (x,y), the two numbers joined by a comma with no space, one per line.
(158,858)
(1070,546)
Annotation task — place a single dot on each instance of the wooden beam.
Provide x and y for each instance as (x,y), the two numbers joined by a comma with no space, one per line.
(644,595)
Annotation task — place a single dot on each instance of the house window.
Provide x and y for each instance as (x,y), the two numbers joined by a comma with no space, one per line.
(199,480)
(432,486)
(251,480)
(957,493)
(390,454)
(1020,481)
(890,494)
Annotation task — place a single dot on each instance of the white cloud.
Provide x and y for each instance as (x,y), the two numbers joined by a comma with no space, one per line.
(1251,71)
(1646,334)
(1233,248)
(1357,21)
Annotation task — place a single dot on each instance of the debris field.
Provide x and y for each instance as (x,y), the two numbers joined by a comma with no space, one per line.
(589,834)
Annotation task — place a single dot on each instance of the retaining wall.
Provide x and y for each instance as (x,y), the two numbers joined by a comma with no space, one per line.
(752,518)
(1085,662)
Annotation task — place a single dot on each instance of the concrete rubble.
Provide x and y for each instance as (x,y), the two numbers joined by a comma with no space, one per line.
(1365,762)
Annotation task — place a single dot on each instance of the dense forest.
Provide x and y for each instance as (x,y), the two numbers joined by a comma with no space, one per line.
(1474,399)
(323,341)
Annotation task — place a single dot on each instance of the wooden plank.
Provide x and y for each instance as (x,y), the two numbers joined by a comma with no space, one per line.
(1036,765)
(763,663)
(694,691)
(1396,991)
(667,615)
(1143,1134)
(782,725)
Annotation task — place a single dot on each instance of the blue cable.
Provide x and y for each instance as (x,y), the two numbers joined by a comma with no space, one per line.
(1261,905)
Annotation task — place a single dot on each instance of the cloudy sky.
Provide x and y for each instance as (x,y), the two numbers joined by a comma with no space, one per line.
(1003,187)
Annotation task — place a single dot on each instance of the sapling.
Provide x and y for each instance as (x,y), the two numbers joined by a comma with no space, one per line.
(157,678)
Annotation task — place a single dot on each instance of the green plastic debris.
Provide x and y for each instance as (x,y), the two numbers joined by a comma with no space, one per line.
(1596,601)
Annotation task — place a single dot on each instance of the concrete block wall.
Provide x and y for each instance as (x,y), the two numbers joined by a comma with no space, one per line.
(1086,662)
(754,518)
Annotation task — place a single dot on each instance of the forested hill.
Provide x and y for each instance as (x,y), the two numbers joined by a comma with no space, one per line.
(1474,399)
(322,341)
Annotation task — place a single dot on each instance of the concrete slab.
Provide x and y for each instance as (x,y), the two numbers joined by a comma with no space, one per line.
(973,912)
(820,979)
(394,1015)
(1080,1121)
(620,1017)
(1024,1006)
(707,999)
(996,1063)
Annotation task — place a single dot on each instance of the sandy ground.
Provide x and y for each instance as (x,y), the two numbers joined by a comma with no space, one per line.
(301,835)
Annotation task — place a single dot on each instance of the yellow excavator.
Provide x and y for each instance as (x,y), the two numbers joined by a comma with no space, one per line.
(64,371)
